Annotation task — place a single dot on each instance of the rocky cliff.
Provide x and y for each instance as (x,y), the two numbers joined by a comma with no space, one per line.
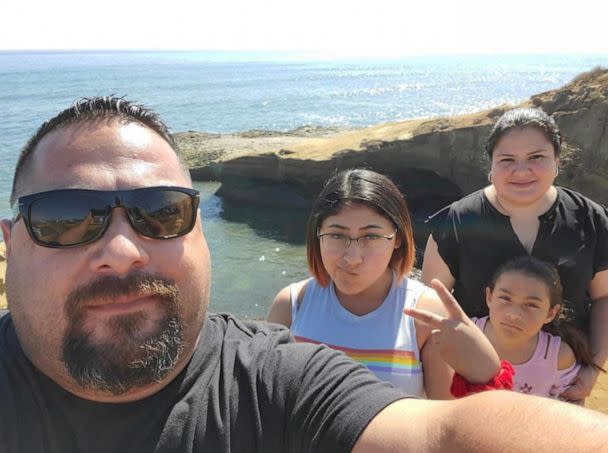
(433,160)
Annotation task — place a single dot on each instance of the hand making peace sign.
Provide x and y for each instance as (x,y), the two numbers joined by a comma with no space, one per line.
(462,344)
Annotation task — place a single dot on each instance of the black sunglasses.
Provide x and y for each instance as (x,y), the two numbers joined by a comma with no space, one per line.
(72,217)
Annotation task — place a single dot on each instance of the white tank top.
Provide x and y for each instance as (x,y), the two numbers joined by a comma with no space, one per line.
(384,340)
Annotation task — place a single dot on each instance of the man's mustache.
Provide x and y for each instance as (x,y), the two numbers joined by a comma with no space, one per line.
(112,287)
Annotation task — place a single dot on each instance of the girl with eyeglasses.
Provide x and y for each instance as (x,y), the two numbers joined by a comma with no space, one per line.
(360,250)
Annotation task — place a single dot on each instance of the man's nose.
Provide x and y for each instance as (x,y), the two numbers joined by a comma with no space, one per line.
(120,249)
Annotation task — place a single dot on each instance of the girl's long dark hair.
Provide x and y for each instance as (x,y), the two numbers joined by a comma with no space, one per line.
(561,324)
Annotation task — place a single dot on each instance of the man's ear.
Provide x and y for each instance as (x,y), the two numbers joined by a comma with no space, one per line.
(6,226)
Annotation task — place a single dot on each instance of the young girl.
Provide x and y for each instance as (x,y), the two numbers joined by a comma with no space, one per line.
(360,250)
(526,326)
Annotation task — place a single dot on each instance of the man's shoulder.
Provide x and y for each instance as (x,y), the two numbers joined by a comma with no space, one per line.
(260,348)
(261,338)
(247,335)
(232,326)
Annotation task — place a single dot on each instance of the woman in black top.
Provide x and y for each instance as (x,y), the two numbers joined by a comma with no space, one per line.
(522,212)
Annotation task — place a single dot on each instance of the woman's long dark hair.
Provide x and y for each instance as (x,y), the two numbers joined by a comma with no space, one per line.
(561,325)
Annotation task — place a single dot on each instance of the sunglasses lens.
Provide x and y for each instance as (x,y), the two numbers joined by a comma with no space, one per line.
(72,217)
(161,213)
(63,219)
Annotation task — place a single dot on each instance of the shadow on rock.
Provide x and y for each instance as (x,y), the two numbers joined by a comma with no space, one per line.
(288,225)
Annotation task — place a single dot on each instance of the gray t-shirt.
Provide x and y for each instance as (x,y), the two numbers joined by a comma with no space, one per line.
(247,388)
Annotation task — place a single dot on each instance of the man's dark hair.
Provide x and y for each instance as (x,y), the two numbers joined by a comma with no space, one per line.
(92,109)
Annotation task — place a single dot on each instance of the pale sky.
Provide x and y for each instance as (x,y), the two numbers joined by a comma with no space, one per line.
(348,28)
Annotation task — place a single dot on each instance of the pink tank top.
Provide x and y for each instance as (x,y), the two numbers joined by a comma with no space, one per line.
(539,375)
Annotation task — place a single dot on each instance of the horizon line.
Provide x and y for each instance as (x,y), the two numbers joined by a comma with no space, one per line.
(298,51)
(293,56)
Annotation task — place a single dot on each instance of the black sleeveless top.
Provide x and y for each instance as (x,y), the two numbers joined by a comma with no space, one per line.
(474,239)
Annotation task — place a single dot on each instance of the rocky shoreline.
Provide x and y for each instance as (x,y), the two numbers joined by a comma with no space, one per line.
(201,149)
(433,161)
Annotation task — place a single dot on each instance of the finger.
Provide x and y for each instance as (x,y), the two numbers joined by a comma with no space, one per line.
(577,402)
(449,302)
(574,393)
(436,336)
(427,317)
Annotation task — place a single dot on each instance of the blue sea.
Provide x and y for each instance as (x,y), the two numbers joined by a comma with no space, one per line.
(229,92)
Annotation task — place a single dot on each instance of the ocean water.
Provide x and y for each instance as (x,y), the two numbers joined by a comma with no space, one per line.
(228,92)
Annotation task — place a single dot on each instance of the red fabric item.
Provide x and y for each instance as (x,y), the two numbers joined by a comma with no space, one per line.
(502,380)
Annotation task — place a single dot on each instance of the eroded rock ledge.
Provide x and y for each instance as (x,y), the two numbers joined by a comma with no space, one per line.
(433,160)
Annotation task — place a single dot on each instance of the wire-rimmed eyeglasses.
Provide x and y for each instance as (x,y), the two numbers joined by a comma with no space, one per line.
(338,242)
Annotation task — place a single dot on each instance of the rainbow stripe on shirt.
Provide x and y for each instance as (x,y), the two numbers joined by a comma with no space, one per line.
(378,360)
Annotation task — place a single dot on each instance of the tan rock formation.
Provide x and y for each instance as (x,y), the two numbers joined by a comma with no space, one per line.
(581,110)
(431,159)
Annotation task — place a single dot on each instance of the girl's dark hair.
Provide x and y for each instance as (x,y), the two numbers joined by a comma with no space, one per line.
(521,119)
(366,187)
(561,324)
